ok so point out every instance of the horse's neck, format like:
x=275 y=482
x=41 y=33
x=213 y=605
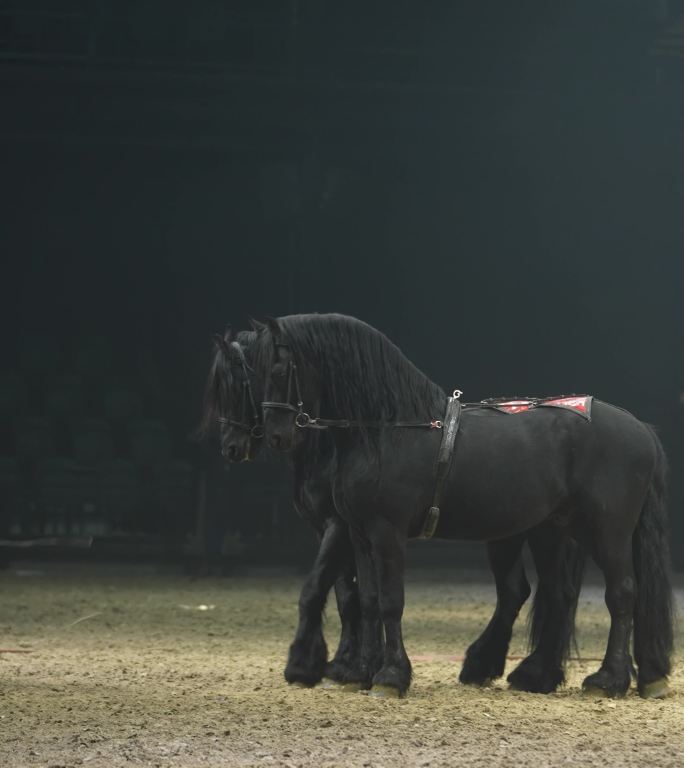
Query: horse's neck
x=313 y=463
x=435 y=403
x=405 y=380
x=317 y=448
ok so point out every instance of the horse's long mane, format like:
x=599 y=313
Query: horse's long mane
x=363 y=375
x=217 y=393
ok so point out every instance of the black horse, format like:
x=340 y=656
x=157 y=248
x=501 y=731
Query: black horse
x=233 y=392
x=233 y=400
x=544 y=473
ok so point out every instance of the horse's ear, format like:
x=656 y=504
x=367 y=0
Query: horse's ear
x=257 y=326
x=228 y=334
x=220 y=343
x=273 y=327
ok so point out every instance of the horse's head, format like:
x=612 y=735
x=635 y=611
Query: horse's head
x=241 y=428
x=291 y=390
x=233 y=396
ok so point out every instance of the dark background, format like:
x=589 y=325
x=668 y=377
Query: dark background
x=498 y=186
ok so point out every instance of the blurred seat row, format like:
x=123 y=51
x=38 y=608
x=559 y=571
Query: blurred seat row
x=77 y=459
x=147 y=442
x=60 y=496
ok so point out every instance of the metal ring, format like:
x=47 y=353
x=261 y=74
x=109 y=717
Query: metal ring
x=257 y=431
x=302 y=420
x=457 y=393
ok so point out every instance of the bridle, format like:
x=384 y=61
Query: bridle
x=256 y=428
x=304 y=421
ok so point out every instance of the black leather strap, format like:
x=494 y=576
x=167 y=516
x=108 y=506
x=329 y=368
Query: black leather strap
x=452 y=421
x=350 y=424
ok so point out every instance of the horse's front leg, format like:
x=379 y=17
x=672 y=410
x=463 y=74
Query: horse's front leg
x=370 y=656
x=344 y=666
x=389 y=554
x=308 y=653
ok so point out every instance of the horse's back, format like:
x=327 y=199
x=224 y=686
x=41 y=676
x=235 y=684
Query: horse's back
x=513 y=471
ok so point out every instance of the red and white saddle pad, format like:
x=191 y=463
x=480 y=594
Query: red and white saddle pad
x=579 y=404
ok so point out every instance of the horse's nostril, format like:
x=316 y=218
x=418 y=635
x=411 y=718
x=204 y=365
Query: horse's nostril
x=275 y=441
x=230 y=452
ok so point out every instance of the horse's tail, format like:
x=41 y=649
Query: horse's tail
x=653 y=611
x=554 y=608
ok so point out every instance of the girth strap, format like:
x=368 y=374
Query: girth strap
x=452 y=420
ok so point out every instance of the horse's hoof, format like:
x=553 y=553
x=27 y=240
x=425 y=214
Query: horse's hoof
x=350 y=687
x=300 y=684
x=531 y=678
x=472 y=677
x=605 y=684
x=384 y=692
x=657 y=689
x=335 y=685
x=597 y=693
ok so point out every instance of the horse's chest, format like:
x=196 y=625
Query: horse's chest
x=310 y=497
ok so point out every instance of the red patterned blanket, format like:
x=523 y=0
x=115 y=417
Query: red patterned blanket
x=579 y=404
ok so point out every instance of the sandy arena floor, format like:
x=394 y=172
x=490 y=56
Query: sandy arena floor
x=126 y=669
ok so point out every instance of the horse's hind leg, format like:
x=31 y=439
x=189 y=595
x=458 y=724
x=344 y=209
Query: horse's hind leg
x=559 y=563
x=614 y=557
x=486 y=657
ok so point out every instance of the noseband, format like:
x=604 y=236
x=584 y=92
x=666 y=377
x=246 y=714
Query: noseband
x=256 y=429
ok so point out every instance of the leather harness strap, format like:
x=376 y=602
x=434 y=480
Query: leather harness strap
x=452 y=421
x=304 y=421
x=349 y=424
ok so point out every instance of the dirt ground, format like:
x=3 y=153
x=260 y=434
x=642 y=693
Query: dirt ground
x=125 y=668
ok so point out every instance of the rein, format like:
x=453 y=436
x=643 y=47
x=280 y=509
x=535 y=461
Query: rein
x=304 y=421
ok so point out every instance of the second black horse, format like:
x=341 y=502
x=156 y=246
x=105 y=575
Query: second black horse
x=233 y=401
